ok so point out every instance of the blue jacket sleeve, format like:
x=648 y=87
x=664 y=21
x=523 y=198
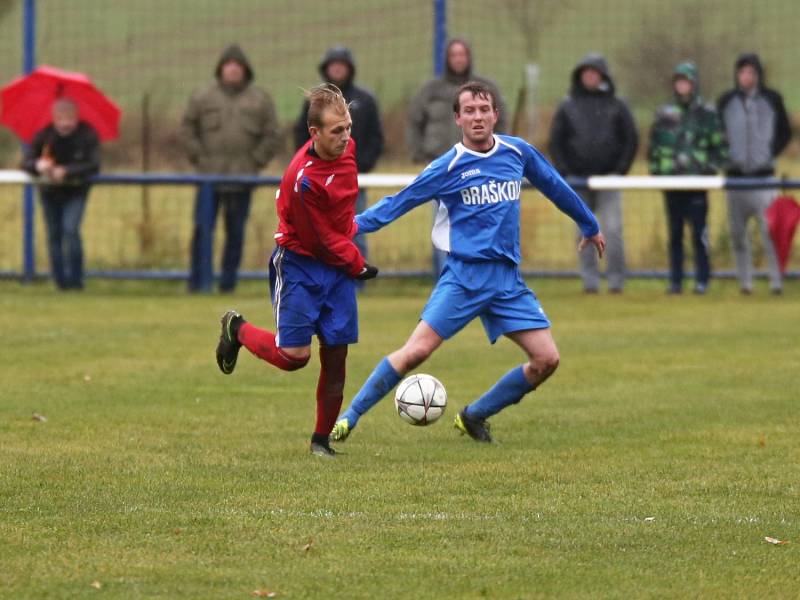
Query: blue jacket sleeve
x=547 y=180
x=390 y=208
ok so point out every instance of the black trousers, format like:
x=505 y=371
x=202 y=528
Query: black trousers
x=691 y=207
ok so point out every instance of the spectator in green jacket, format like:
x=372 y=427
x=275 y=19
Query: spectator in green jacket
x=229 y=128
x=687 y=139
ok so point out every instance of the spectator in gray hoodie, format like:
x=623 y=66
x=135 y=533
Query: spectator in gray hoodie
x=432 y=128
x=593 y=133
x=758 y=130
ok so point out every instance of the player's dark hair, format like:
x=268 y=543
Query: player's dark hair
x=478 y=90
x=321 y=97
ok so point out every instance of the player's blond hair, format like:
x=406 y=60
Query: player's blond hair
x=323 y=97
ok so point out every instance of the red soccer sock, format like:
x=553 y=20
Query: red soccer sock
x=330 y=387
x=262 y=344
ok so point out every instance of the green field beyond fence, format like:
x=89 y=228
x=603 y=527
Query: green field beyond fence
x=120 y=235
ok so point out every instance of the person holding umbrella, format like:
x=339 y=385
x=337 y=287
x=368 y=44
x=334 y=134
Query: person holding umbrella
x=64 y=154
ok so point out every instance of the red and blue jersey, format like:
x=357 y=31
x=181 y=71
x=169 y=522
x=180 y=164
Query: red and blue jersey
x=316 y=206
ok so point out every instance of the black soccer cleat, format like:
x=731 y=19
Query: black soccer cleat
x=228 y=346
x=478 y=430
x=323 y=450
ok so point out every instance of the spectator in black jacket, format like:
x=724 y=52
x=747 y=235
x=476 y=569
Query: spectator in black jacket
x=65 y=154
x=758 y=130
x=339 y=67
x=593 y=133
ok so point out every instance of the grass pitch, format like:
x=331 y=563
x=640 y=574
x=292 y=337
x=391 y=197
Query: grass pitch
x=652 y=465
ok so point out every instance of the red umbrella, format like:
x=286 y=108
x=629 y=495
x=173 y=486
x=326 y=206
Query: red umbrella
x=783 y=215
x=27 y=100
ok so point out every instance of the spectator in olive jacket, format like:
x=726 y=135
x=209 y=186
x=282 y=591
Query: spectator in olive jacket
x=229 y=128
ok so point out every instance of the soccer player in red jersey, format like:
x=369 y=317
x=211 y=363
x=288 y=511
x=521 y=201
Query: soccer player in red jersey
x=314 y=266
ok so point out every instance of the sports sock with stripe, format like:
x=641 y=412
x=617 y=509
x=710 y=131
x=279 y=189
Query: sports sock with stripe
x=262 y=344
x=377 y=385
x=509 y=389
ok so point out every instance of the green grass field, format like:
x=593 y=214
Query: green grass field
x=652 y=465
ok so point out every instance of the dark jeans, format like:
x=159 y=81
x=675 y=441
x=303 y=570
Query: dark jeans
x=691 y=206
x=235 y=209
x=63 y=213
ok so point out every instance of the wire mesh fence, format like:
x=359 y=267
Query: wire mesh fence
x=150 y=55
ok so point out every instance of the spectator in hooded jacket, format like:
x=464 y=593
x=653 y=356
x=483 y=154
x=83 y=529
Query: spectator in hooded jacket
x=758 y=130
x=687 y=139
x=593 y=133
x=339 y=68
x=229 y=128
x=432 y=128
x=65 y=154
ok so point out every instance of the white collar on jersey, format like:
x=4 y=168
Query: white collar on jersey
x=461 y=149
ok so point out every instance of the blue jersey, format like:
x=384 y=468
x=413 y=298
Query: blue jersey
x=478 y=199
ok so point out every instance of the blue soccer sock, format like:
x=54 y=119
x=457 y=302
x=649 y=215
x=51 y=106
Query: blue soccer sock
x=377 y=385
x=508 y=390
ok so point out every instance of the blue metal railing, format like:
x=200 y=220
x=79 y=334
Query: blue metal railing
x=28 y=205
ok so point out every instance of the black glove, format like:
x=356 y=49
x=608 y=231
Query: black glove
x=367 y=272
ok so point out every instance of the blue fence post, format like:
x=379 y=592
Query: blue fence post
x=439 y=45
x=28 y=64
x=205 y=237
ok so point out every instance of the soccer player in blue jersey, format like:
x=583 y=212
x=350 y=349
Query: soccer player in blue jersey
x=477 y=187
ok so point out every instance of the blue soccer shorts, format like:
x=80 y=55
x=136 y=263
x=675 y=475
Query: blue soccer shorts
x=311 y=298
x=491 y=290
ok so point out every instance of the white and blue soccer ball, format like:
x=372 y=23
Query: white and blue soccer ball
x=420 y=399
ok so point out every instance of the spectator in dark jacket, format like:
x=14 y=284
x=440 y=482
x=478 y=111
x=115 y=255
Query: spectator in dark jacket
x=593 y=133
x=65 y=154
x=758 y=130
x=229 y=128
x=339 y=68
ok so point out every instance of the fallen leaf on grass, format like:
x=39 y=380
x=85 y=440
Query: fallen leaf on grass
x=649 y=519
x=39 y=418
x=762 y=441
x=775 y=541
x=309 y=545
x=87 y=378
x=264 y=594
x=177 y=531
x=96 y=585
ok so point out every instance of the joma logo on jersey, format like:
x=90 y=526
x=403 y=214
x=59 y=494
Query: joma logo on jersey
x=492 y=192
x=470 y=173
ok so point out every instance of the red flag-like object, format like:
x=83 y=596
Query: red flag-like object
x=27 y=101
x=783 y=215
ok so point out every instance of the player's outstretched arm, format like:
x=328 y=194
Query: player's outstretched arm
x=391 y=208
x=548 y=181
x=598 y=241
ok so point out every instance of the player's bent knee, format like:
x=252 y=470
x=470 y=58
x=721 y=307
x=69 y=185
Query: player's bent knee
x=546 y=364
x=292 y=360
x=296 y=363
x=416 y=356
